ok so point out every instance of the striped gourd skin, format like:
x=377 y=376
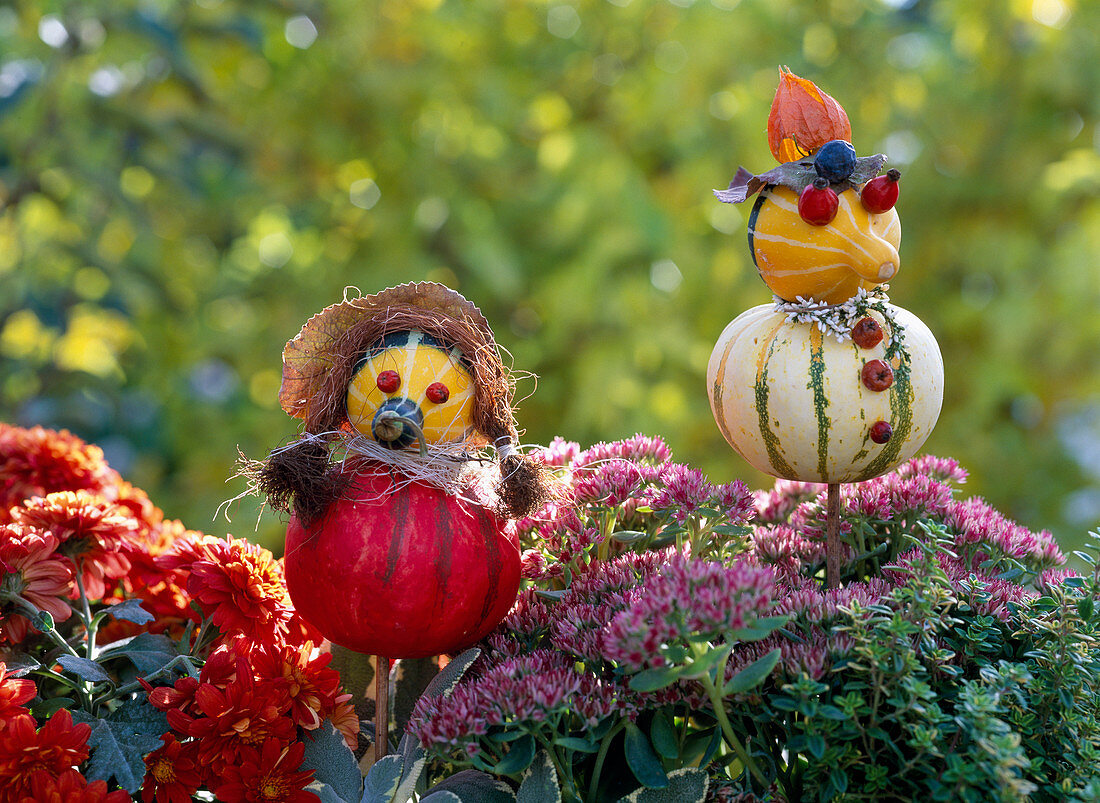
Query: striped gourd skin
x=826 y=263
x=791 y=401
x=418 y=365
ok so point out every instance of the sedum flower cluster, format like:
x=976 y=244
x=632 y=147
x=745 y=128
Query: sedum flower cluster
x=674 y=630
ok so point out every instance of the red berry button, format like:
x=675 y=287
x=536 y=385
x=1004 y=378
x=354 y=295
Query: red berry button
x=877 y=375
x=437 y=393
x=880 y=194
x=388 y=381
x=881 y=432
x=867 y=333
x=818 y=204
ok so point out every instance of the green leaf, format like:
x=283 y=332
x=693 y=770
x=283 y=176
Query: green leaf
x=816 y=745
x=832 y=712
x=449 y=676
x=715 y=656
x=148 y=652
x=654 y=679
x=519 y=757
x=663 y=736
x=42 y=621
x=83 y=668
x=540 y=782
x=641 y=759
x=120 y=742
x=442 y=796
x=325 y=792
x=628 y=536
x=553 y=594
x=45 y=709
x=576 y=744
x=752 y=675
x=1085 y=607
x=474 y=786
x=130 y=611
x=685 y=785
x=332 y=761
x=382 y=780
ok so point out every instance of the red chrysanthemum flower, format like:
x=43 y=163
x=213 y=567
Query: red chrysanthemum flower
x=91 y=531
x=36 y=462
x=13 y=693
x=313 y=688
x=31 y=572
x=267 y=775
x=70 y=787
x=239 y=586
x=227 y=719
x=172 y=772
x=57 y=746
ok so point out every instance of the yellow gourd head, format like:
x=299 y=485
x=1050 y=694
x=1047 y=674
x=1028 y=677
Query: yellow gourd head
x=830 y=263
x=411 y=388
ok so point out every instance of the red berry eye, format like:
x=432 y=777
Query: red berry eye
x=437 y=393
x=388 y=381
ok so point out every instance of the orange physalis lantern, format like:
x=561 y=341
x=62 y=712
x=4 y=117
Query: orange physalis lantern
x=803 y=118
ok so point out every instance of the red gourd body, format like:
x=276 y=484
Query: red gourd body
x=402 y=569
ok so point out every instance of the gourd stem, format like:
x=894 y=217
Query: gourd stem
x=381 y=707
x=832 y=536
x=392 y=418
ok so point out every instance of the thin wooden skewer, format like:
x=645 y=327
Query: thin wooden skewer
x=381 y=707
x=832 y=536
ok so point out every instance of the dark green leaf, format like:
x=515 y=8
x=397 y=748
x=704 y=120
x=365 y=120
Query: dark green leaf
x=83 y=668
x=120 y=742
x=816 y=745
x=641 y=759
x=663 y=735
x=685 y=785
x=519 y=757
x=332 y=761
x=148 y=652
x=131 y=611
x=831 y=712
x=654 y=679
x=540 y=782
x=382 y=779
x=325 y=792
x=474 y=786
x=752 y=675
x=449 y=676
x=576 y=744
x=441 y=796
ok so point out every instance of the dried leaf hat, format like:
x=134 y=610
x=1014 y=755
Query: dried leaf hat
x=410 y=376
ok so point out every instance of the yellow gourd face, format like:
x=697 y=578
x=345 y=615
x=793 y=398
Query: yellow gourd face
x=414 y=377
x=825 y=263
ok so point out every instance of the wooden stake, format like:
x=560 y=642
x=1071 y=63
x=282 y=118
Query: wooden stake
x=832 y=536
x=381 y=707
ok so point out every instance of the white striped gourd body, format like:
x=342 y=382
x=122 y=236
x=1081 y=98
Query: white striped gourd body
x=792 y=401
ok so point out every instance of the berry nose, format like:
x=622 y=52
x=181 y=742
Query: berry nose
x=397 y=423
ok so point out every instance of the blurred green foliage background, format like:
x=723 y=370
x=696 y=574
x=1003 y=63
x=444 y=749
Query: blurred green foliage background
x=182 y=184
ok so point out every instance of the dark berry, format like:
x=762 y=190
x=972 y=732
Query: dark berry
x=388 y=381
x=818 y=204
x=437 y=393
x=877 y=375
x=867 y=333
x=881 y=432
x=835 y=161
x=880 y=194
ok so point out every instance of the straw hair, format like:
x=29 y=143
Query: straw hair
x=319 y=363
